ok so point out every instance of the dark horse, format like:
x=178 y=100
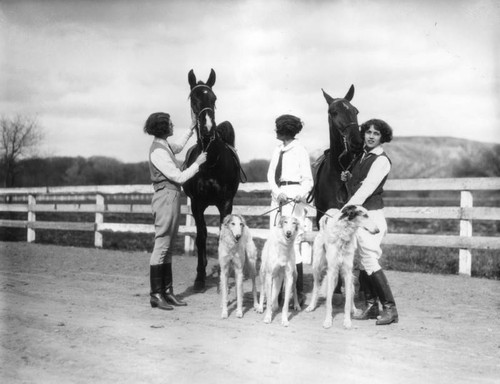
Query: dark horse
x=345 y=144
x=218 y=179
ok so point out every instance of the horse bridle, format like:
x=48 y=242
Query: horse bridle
x=344 y=153
x=198 y=128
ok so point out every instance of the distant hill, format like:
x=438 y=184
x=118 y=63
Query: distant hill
x=440 y=157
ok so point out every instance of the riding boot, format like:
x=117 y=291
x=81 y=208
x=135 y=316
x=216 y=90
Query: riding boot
x=300 y=284
x=390 y=313
x=157 y=287
x=168 y=290
x=371 y=310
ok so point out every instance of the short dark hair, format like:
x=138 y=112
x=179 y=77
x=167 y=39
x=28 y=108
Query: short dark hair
x=288 y=125
x=157 y=124
x=381 y=126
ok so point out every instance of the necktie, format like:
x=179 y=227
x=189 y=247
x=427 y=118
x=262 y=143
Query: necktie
x=279 y=167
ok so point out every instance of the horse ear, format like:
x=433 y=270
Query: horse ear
x=211 y=78
x=350 y=93
x=328 y=98
x=191 y=78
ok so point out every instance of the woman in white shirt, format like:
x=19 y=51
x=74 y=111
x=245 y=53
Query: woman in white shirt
x=290 y=179
x=167 y=178
x=366 y=183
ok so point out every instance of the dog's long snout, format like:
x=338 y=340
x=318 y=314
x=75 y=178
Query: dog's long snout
x=237 y=237
x=288 y=233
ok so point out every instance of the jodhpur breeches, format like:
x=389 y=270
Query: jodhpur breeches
x=166 y=213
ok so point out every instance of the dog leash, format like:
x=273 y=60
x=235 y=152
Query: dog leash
x=276 y=208
x=320 y=211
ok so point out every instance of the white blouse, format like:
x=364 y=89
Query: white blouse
x=164 y=161
x=295 y=167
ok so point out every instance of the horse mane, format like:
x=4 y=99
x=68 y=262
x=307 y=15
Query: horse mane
x=226 y=132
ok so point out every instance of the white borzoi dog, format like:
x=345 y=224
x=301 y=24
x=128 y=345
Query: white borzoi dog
x=237 y=250
x=333 y=250
x=278 y=265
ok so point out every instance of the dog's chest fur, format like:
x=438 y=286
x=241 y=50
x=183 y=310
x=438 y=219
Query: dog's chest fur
x=339 y=237
x=232 y=249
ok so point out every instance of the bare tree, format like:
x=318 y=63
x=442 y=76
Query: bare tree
x=20 y=138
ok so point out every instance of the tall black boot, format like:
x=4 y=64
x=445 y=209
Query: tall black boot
x=371 y=310
x=157 y=287
x=390 y=313
x=168 y=292
x=300 y=284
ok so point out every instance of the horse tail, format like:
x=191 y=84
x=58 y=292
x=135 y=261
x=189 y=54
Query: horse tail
x=226 y=132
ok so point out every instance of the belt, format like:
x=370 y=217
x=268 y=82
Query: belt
x=289 y=183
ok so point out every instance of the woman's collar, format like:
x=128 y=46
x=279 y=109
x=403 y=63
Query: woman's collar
x=290 y=145
x=376 y=151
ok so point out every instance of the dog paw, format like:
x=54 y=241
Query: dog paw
x=327 y=323
x=285 y=322
x=239 y=313
x=347 y=324
x=259 y=309
x=267 y=319
x=310 y=308
x=224 y=315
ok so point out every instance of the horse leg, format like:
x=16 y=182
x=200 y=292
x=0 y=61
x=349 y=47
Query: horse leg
x=225 y=208
x=201 y=246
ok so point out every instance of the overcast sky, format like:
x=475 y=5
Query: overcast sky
x=92 y=71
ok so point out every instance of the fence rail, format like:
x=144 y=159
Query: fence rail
x=61 y=200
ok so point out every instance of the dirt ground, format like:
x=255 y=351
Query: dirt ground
x=77 y=315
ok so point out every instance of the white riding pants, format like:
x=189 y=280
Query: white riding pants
x=368 y=249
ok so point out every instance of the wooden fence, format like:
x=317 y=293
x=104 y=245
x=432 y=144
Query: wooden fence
x=62 y=199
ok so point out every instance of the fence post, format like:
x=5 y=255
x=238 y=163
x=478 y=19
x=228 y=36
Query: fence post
x=188 y=240
x=99 y=218
x=30 y=235
x=465 y=256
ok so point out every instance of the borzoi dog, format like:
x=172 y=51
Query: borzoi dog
x=278 y=265
x=333 y=250
x=236 y=249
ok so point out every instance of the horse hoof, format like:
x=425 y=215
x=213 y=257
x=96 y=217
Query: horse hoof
x=199 y=286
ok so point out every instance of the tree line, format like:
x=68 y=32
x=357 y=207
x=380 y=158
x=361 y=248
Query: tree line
x=21 y=167
x=98 y=170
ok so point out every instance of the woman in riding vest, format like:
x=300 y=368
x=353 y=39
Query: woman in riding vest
x=167 y=179
x=290 y=179
x=366 y=183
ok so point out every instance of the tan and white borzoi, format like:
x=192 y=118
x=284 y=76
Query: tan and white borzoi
x=278 y=265
x=236 y=250
x=333 y=250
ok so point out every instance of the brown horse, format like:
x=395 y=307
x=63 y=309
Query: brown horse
x=218 y=179
x=345 y=144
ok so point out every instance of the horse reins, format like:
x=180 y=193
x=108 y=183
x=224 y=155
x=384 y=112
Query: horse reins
x=349 y=166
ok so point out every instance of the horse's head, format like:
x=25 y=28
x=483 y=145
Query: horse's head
x=203 y=103
x=343 y=120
